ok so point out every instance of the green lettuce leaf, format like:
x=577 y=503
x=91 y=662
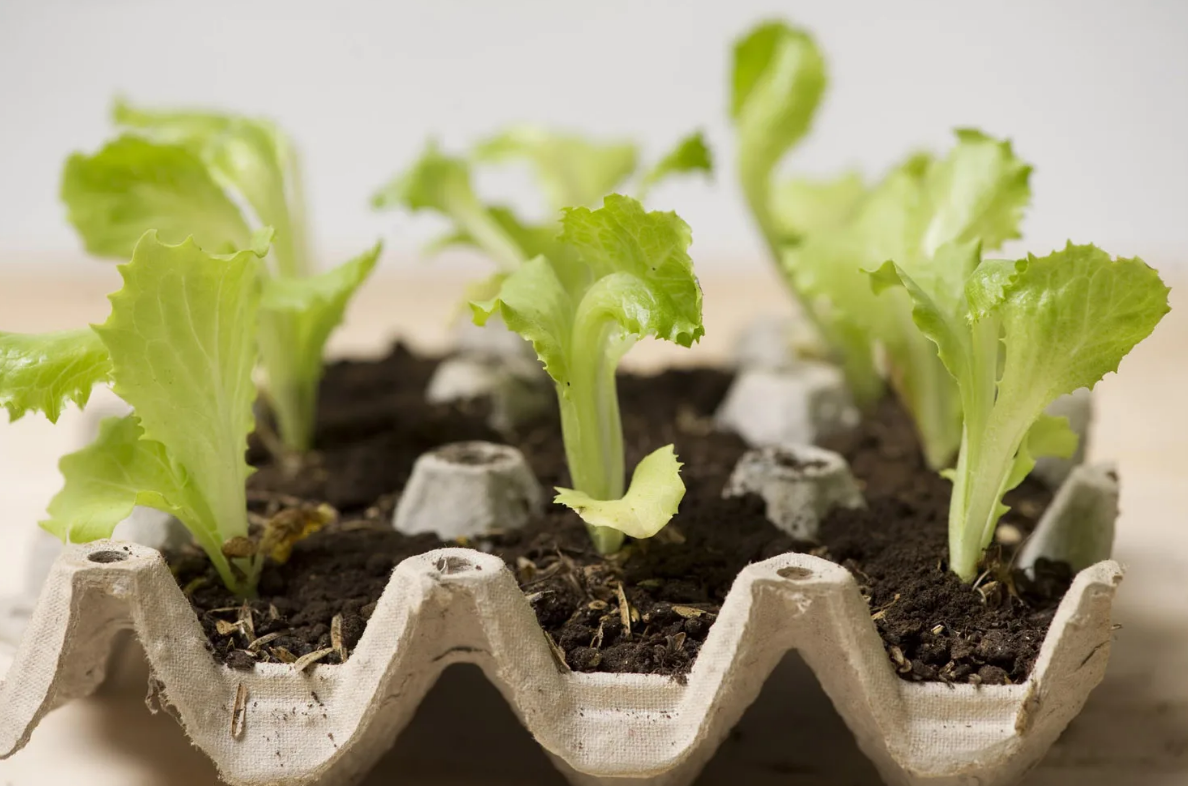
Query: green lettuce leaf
x=182 y=341
x=133 y=185
x=530 y=240
x=107 y=479
x=441 y=183
x=297 y=317
x=572 y=170
x=691 y=154
x=651 y=501
x=183 y=174
x=801 y=207
x=249 y=156
x=40 y=373
x=637 y=280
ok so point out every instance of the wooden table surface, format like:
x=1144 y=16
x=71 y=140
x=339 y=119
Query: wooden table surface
x=1133 y=731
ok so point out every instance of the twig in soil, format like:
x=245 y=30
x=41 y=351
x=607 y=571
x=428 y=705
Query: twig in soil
x=309 y=659
x=336 y=642
x=689 y=612
x=882 y=611
x=239 y=711
x=624 y=611
x=254 y=646
x=543 y=575
x=282 y=655
x=247 y=625
x=525 y=570
x=596 y=641
x=991 y=593
x=558 y=653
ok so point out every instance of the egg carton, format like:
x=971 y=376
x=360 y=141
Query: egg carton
x=276 y=724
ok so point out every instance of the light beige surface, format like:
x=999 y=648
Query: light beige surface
x=1133 y=731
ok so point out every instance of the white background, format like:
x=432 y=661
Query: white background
x=1095 y=94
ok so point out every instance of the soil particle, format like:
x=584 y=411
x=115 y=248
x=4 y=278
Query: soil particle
x=649 y=608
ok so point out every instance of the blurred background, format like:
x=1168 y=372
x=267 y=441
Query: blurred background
x=1094 y=93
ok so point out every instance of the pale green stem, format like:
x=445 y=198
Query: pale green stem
x=861 y=377
x=242 y=585
x=927 y=389
x=298 y=227
x=986 y=458
x=293 y=395
x=593 y=430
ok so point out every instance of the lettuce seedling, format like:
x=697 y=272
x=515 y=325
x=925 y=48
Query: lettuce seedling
x=1015 y=335
x=626 y=275
x=229 y=182
x=571 y=171
x=778 y=79
x=976 y=192
x=179 y=347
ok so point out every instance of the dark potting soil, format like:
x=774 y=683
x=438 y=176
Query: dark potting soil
x=647 y=609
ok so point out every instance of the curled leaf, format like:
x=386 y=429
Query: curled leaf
x=651 y=500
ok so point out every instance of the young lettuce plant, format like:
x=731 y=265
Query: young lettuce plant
x=627 y=275
x=571 y=171
x=778 y=79
x=976 y=192
x=179 y=347
x=228 y=182
x=1015 y=335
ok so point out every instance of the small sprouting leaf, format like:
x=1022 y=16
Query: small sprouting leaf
x=652 y=499
x=691 y=154
x=441 y=183
x=296 y=319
